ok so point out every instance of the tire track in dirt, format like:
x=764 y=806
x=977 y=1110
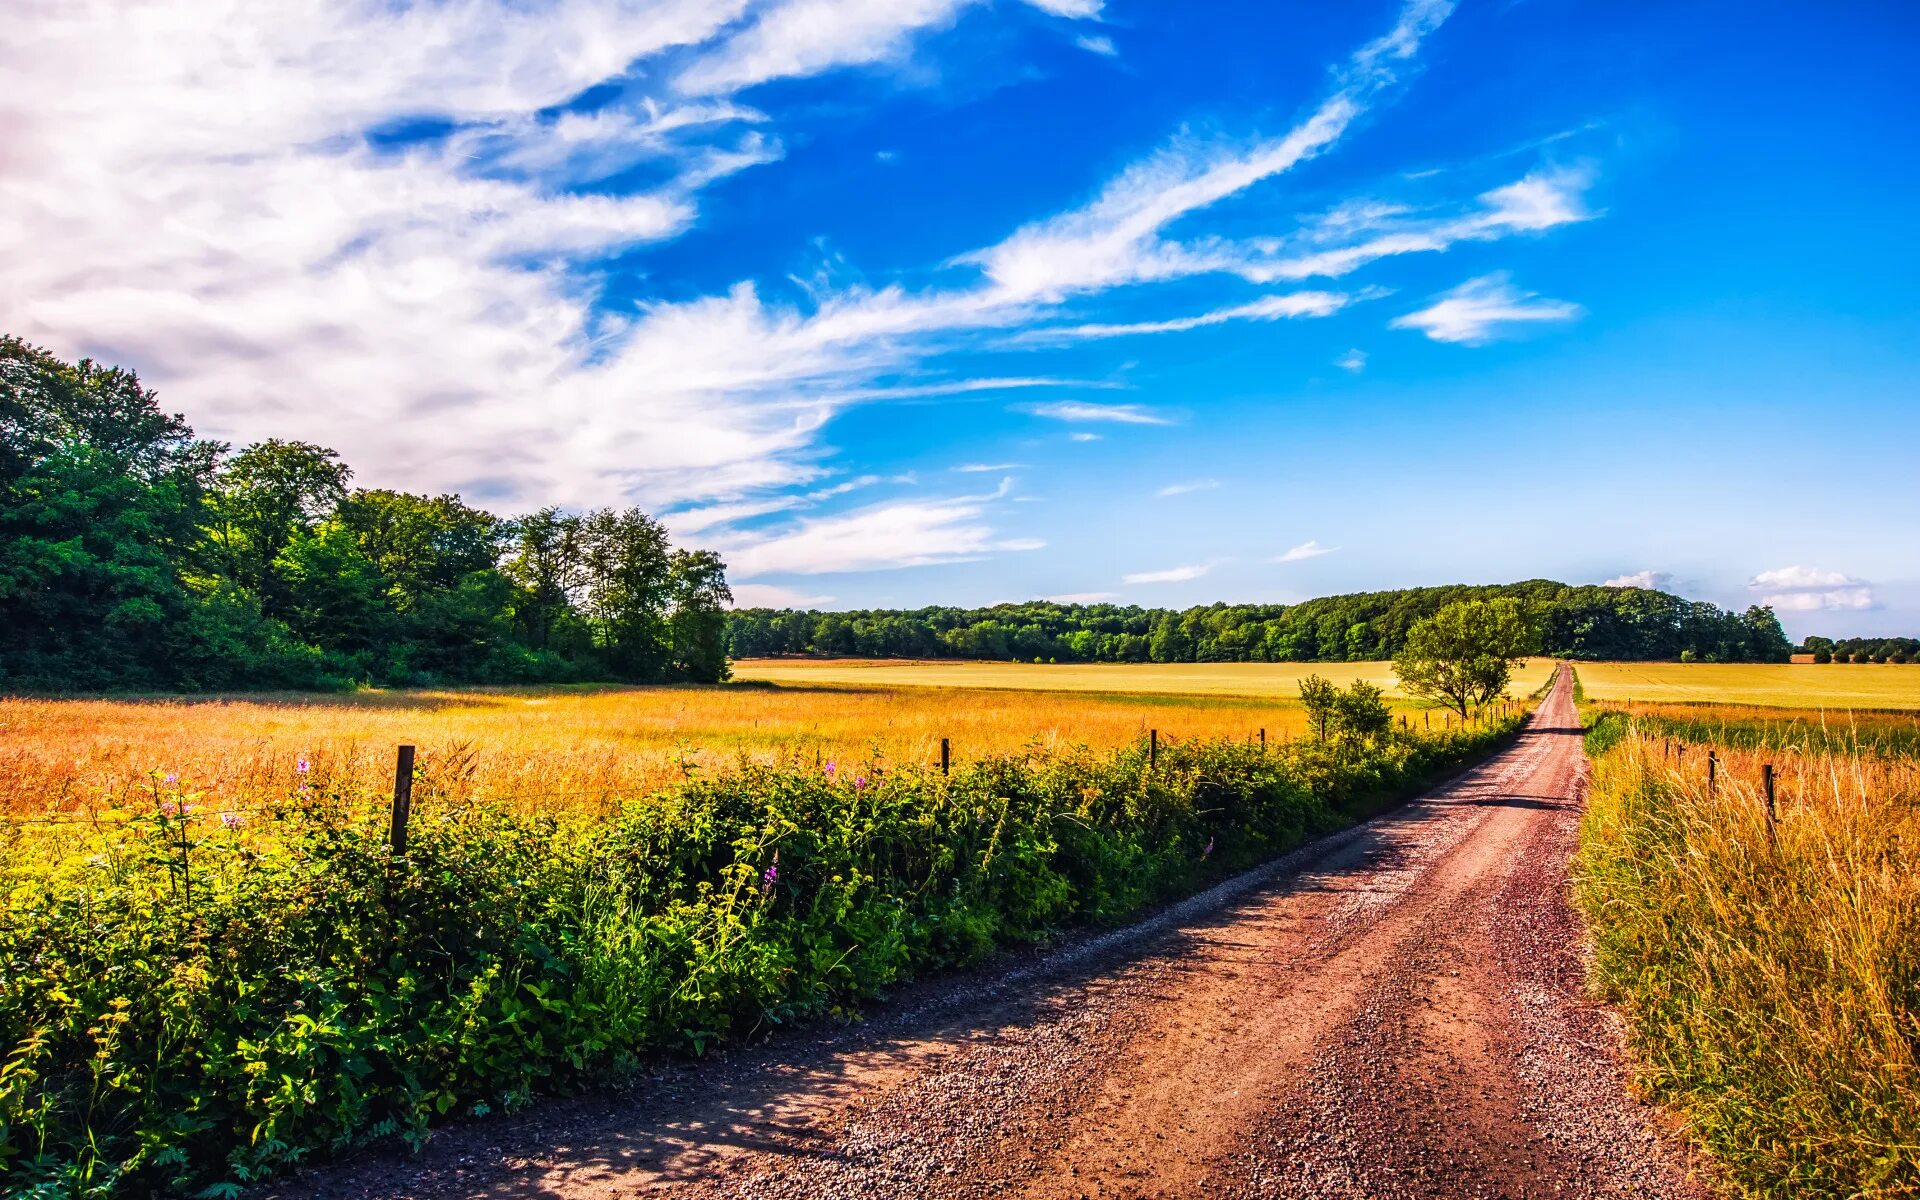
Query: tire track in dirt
x=1393 y=1011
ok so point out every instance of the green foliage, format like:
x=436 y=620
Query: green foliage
x=188 y=1003
x=1354 y=717
x=1464 y=654
x=1573 y=622
x=133 y=556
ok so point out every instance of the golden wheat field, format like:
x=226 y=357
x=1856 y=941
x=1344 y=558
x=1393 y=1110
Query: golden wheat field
x=1833 y=686
x=1274 y=680
x=543 y=747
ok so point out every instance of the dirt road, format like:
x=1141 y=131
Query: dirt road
x=1394 y=1011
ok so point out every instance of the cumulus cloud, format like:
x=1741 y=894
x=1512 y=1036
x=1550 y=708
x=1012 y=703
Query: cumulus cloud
x=1081 y=411
x=1480 y=309
x=1659 y=581
x=1192 y=485
x=1305 y=550
x=1094 y=44
x=1812 y=589
x=1353 y=360
x=1170 y=575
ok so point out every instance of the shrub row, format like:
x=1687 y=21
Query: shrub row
x=191 y=1001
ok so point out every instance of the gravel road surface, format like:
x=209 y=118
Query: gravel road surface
x=1395 y=1011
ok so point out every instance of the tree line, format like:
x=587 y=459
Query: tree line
x=134 y=555
x=1863 y=650
x=1585 y=622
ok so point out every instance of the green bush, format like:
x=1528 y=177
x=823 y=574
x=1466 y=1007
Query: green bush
x=191 y=1002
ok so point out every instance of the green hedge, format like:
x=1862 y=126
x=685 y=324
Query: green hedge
x=189 y=1006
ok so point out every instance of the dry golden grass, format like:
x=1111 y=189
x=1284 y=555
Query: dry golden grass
x=1278 y=680
x=1768 y=976
x=1832 y=686
x=584 y=745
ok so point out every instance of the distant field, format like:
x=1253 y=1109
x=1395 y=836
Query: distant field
x=1276 y=680
x=541 y=747
x=1833 y=686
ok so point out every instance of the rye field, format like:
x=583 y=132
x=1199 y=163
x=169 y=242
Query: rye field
x=548 y=748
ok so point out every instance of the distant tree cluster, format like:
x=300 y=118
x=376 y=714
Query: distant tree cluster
x=1569 y=622
x=1863 y=650
x=133 y=555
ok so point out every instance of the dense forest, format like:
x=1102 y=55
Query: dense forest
x=135 y=555
x=1573 y=622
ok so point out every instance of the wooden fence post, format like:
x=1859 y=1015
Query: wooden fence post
x=1713 y=767
x=1153 y=748
x=946 y=755
x=1263 y=737
x=1773 y=818
x=402 y=800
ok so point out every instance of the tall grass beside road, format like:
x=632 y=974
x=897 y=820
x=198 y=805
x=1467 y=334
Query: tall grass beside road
x=1769 y=971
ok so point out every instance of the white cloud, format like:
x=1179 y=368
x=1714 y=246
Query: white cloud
x=1476 y=311
x=1812 y=589
x=1170 y=575
x=1800 y=578
x=1352 y=360
x=1195 y=485
x=795 y=38
x=1081 y=597
x=979 y=468
x=1084 y=437
x=1658 y=581
x=1092 y=44
x=1852 y=599
x=768 y=595
x=908 y=533
x=1305 y=550
x=1084 y=410
x=1117 y=238
x=1267 y=308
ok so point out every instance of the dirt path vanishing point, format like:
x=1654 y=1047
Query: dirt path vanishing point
x=1395 y=1011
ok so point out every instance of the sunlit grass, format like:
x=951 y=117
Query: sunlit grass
x=1280 y=680
x=1833 y=686
x=1768 y=978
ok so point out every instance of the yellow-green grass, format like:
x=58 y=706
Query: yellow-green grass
x=1830 y=686
x=1276 y=680
x=1766 y=975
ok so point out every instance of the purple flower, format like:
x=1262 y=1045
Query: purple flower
x=232 y=820
x=169 y=808
x=172 y=777
x=1208 y=850
x=302 y=766
x=859 y=782
x=770 y=876
x=829 y=768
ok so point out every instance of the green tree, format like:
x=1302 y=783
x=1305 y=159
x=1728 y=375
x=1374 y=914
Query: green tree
x=1319 y=697
x=1464 y=654
x=263 y=498
x=698 y=581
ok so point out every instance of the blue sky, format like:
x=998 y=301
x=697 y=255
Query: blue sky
x=900 y=302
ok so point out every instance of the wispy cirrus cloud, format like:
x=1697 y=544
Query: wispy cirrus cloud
x=1180 y=574
x=1191 y=485
x=1303 y=551
x=1267 y=308
x=1481 y=309
x=1082 y=411
x=1354 y=361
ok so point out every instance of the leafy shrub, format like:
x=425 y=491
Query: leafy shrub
x=191 y=1001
